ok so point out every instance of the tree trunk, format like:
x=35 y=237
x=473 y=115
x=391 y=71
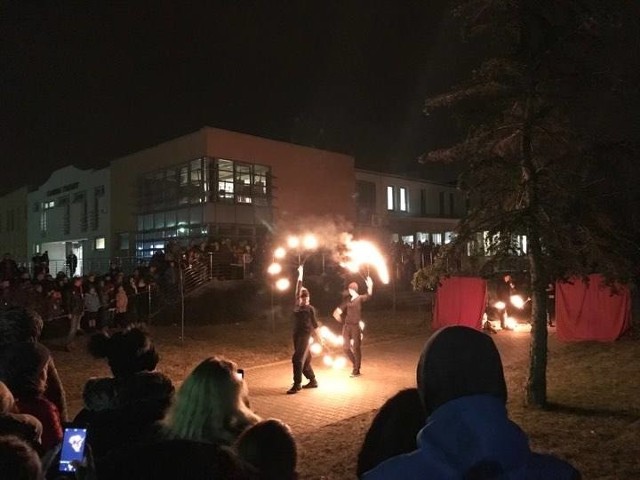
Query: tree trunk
x=536 y=389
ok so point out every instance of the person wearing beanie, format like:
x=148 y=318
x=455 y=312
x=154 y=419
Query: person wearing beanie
x=351 y=310
x=468 y=434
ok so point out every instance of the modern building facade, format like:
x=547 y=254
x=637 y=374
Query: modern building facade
x=70 y=215
x=407 y=210
x=215 y=183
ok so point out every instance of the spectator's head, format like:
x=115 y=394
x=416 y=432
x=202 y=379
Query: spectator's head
x=23 y=367
x=212 y=404
x=19 y=324
x=129 y=351
x=269 y=446
x=7 y=402
x=456 y=362
x=18 y=460
x=173 y=459
x=393 y=430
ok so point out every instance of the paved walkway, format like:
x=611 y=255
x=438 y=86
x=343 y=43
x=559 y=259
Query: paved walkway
x=386 y=368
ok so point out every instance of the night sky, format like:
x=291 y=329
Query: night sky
x=86 y=82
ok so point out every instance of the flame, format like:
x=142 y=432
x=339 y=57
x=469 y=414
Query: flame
x=362 y=252
x=499 y=305
x=274 y=269
x=310 y=242
x=339 y=362
x=293 y=241
x=316 y=348
x=510 y=323
x=279 y=253
x=282 y=284
x=517 y=301
x=361 y=323
x=327 y=360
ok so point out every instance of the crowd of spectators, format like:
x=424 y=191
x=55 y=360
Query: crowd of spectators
x=453 y=425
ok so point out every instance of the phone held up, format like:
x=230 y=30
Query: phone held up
x=240 y=374
x=74 y=441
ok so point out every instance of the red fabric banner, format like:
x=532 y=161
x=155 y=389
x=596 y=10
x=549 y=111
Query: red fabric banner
x=460 y=301
x=590 y=311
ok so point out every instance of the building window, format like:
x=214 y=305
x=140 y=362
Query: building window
x=123 y=241
x=100 y=243
x=390 y=198
x=451 y=205
x=99 y=191
x=404 y=200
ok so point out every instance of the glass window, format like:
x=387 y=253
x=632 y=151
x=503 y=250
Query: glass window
x=183 y=217
x=404 y=201
x=148 y=222
x=158 y=220
x=195 y=215
x=170 y=218
x=100 y=243
x=436 y=238
x=123 y=241
x=390 y=199
x=225 y=179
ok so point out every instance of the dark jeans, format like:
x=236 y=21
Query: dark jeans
x=353 y=332
x=301 y=358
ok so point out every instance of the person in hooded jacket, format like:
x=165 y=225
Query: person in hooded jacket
x=468 y=434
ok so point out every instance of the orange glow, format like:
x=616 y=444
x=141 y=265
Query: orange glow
x=362 y=252
x=293 y=241
x=279 y=253
x=339 y=362
x=316 y=348
x=282 y=284
x=499 y=305
x=274 y=268
x=310 y=242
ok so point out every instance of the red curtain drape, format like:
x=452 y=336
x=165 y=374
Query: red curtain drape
x=591 y=311
x=460 y=301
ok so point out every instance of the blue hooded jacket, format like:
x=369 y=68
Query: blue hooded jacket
x=472 y=437
x=468 y=434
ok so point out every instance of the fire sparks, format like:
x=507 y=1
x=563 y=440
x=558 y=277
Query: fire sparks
x=310 y=242
x=293 y=241
x=279 y=253
x=316 y=348
x=362 y=252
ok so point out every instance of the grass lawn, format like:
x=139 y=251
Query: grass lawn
x=594 y=390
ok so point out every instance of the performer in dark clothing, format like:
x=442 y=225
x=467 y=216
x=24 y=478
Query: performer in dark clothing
x=352 y=310
x=305 y=325
x=505 y=289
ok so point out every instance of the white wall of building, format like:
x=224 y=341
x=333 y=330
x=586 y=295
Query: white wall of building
x=70 y=213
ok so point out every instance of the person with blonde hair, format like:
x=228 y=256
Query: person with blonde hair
x=212 y=405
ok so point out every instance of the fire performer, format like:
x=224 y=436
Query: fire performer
x=352 y=310
x=304 y=327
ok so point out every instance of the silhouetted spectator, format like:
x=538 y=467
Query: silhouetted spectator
x=269 y=446
x=123 y=410
x=24 y=370
x=468 y=434
x=393 y=430
x=22 y=425
x=21 y=325
x=174 y=459
x=18 y=460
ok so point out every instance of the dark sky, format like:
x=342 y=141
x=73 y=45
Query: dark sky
x=85 y=82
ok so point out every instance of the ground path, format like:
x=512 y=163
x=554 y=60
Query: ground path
x=387 y=367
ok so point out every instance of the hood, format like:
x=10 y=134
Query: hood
x=456 y=362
